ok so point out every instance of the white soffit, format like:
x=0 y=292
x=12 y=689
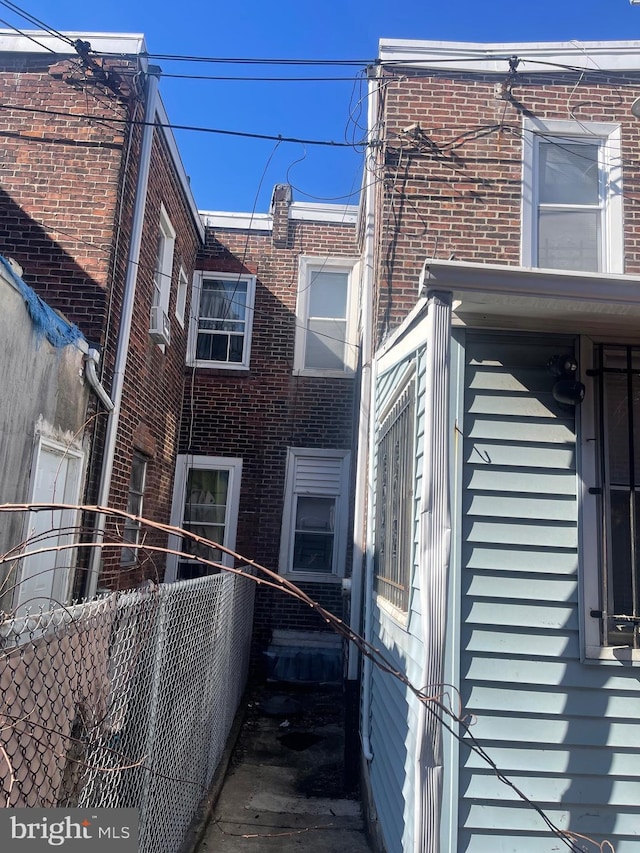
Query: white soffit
x=494 y=291
x=540 y=57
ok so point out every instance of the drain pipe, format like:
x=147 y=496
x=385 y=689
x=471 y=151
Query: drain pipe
x=91 y=360
x=363 y=493
x=128 y=302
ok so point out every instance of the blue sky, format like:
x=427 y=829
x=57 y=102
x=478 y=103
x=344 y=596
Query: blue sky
x=226 y=172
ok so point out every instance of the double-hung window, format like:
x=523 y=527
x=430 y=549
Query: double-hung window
x=132 y=528
x=572 y=196
x=223 y=319
x=395 y=458
x=315 y=517
x=205 y=503
x=325 y=314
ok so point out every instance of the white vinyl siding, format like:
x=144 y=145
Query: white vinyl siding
x=315 y=516
x=572 y=199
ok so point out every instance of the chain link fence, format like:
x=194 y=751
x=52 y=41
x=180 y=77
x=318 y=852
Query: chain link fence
x=125 y=701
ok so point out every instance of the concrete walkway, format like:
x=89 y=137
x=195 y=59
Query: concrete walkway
x=284 y=789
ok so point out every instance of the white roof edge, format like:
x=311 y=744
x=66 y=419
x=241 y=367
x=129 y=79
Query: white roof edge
x=343 y=214
x=174 y=151
x=346 y=214
x=492 y=56
x=468 y=276
x=41 y=41
x=232 y=219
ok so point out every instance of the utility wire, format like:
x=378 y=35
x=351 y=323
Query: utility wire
x=194 y=128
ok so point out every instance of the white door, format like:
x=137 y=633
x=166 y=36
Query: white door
x=44 y=577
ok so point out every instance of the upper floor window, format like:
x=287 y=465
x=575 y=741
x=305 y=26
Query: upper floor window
x=163 y=269
x=325 y=334
x=222 y=320
x=572 y=196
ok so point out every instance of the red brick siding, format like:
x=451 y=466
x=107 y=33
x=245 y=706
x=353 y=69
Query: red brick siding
x=258 y=414
x=457 y=191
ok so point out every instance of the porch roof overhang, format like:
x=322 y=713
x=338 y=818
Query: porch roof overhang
x=511 y=296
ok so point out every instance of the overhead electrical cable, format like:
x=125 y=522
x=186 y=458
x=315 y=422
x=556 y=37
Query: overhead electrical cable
x=194 y=128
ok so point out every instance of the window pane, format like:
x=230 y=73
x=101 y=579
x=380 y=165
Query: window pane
x=617 y=416
x=313 y=552
x=569 y=239
x=223 y=300
x=326 y=344
x=328 y=294
x=568 y=172
x=621 y=552
x=207 y=486
x=315 y=514
x=313 y=544
x=205 y=511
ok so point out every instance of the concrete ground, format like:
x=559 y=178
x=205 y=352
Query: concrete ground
x=285 y=787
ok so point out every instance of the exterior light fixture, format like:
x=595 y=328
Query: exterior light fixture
x=566 y=389
x=635 y=106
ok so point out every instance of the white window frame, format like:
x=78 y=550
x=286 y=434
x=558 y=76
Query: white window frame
x=609 y=138
x=184 y=463
x=181 y=296
x=289 y=513
x=590 y=522
x=164 y=263
x=306 y=265
x=198 y=277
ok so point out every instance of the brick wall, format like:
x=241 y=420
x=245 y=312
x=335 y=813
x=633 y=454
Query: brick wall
x=67 y=200
x=453 y=188
x=259 y=413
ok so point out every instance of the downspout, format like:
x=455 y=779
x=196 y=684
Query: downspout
x=433 y=565
x=128 y=302
x=91 y=360
x=363 y=493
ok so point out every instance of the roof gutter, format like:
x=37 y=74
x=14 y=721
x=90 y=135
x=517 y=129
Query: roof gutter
x=128 y=303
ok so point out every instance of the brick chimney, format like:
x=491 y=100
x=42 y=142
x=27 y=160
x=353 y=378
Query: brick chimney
x=280 y=204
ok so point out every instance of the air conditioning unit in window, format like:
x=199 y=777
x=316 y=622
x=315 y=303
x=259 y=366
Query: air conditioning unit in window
x=160 y=326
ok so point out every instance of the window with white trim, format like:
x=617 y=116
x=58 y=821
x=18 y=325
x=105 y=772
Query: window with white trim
x=395 y=459
x=132 y=529
x=572 y=196
x=612 y=465
x=315 y=515
x=206 y=498
x=163 y=269
x=326 y=322
x=222 y=320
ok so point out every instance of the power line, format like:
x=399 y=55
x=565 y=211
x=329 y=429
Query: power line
x=33 y=20
x=195 y=128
